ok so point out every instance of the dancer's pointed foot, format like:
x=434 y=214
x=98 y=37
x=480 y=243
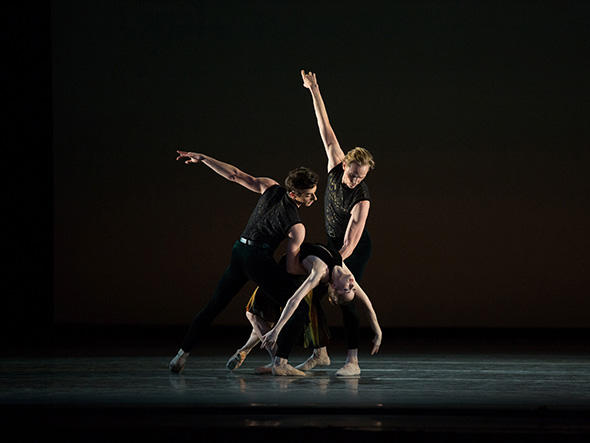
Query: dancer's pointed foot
x=177 y=363
x=349 y=368
x=236 y=360
x=318 y=358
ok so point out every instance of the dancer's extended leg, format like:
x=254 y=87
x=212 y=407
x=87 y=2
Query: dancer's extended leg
x=229 y=285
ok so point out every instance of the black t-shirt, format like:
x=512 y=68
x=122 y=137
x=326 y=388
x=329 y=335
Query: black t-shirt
x=338 y=202
x=272 y=217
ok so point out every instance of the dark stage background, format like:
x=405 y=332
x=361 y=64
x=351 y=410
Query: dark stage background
x=476 y=113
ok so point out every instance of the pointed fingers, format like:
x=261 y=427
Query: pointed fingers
x=375 y=349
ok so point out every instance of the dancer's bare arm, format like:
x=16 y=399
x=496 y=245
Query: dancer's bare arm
x=354 y=230
x=295 y=236
x=312 y=280
x=229 y=172
x=333 y=149
x=364 y=298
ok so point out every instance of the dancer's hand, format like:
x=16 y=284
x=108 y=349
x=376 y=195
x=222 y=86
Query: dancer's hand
x=376 y=343
x=192 y=157
x=309 y=79
x=269 y=340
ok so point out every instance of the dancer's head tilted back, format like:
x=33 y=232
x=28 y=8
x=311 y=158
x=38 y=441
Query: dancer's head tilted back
x=301 y=184
x=341 y=287
x=356 y=164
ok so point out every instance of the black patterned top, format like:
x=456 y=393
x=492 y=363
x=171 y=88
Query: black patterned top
x=272 y=217
x=338 y=202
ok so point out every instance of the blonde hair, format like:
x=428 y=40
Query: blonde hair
x=334 y=298
x=360 y=156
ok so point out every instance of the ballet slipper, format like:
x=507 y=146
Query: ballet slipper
x=316 y=359
x=177 y=363
x=349 y=369
x=236 y=360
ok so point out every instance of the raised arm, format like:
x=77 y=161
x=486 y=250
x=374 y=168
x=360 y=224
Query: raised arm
x=229 y=172
x=362 y=296
x=354 y=230
x=312 y=280
x=333 y=150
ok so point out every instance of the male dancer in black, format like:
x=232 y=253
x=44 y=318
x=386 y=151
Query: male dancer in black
x=346 y=207
x=274 y=219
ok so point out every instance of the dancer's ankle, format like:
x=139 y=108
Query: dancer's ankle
x=318 y=352
x=279 y=361
x=181 y=353
x=352 y=356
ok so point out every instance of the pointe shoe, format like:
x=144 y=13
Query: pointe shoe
x=177 y=363
x=236 y=360
x=264 y=370
x=313 y=361
x=286 y=369
x=349 y=369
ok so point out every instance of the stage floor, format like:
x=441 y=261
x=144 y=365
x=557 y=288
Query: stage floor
x=413 y=393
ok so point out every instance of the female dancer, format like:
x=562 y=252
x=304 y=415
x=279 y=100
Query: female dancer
x=324 y=267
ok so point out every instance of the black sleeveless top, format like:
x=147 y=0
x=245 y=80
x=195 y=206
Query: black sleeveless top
x=338 y=202
x=329 y=256
x=272 y=217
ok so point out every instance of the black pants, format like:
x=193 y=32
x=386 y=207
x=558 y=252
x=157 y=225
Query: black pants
x=357 y=263
x=247 y=263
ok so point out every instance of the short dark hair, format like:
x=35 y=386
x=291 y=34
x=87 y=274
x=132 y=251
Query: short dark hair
x=301 y=178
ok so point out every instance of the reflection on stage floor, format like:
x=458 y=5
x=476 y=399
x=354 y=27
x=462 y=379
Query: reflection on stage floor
x=411 y=393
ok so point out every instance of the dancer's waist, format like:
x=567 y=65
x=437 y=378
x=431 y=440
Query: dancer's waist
x=256 y=244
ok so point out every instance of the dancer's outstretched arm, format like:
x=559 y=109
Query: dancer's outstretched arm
x=229 y=172
x=312 y=281
x=333 y=150
x=363 y=297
